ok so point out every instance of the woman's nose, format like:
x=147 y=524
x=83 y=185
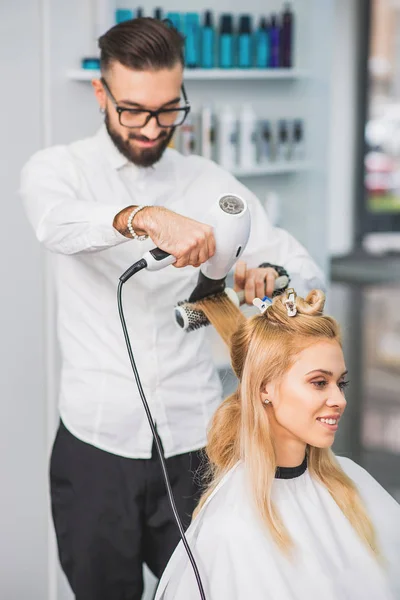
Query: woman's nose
x=336 y=399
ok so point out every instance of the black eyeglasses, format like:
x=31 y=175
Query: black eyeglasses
x=139 y=117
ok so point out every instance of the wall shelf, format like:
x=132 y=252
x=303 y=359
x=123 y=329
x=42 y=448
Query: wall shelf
x=272 y=169
x=211 y=74
x=86 y=75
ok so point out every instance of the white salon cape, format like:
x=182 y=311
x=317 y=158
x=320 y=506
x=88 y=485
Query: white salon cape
x=238 y=559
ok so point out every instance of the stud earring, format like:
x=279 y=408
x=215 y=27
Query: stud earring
x=266 y=401
x=102 y=110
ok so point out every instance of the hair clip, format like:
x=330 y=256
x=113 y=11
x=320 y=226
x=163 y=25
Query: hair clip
x=263 y=304
x=290 y=303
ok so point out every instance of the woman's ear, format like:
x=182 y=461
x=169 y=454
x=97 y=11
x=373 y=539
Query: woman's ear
x=267 y=393
x=265 y=396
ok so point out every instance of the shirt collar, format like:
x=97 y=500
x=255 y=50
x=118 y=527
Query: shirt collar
x=291 y=472
x=118 y=160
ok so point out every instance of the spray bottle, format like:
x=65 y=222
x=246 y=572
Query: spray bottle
x=208 y=42
x=192 y=40
x=298 y=145
x=226 y=54
x=275 y=42
x=262 y=42
x=287 y=37
x=245 y=53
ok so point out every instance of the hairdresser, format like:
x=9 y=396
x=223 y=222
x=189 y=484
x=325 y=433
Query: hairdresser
x=85 y=202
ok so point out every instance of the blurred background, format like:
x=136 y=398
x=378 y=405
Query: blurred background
x=325 y=164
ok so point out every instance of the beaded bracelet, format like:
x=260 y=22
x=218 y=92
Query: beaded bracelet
x=133 y=233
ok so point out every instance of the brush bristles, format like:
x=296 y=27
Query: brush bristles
x=195 y=316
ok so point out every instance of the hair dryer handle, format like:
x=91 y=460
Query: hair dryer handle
x=157 y=259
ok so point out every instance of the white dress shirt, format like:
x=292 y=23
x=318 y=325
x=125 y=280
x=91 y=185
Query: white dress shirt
x=71 y=195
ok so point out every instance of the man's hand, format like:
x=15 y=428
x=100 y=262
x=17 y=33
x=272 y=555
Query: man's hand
x=256 y=283
x=191 y=242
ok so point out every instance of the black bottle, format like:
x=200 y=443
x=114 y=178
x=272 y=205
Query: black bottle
x=286 y=38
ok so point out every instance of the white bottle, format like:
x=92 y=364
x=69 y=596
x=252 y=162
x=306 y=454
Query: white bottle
x=298 y=145
x=247 y=137
x=283 y=145
x=265 y=141
x=187 y=136
x=227 y=138
x=207 y=133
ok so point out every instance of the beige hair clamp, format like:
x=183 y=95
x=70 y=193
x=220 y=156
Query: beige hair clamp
x=290 y=302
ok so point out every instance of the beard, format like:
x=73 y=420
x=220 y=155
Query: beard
x=146 y=157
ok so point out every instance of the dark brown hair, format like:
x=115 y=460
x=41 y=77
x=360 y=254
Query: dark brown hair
x=141 y=44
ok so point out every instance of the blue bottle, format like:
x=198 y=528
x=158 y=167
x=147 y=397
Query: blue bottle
x=192 y=40
x=226 y=42
x=90 y=63
x=245 y=54
x=175 y=19
x=274 y=33
x=122 y=14
x=208 y=42
x=262 y=44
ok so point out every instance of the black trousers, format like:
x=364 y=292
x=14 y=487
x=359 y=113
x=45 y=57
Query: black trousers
x=111 y=514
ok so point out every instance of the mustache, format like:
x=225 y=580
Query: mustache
x=143 y=138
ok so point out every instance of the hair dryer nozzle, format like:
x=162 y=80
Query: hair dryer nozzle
x=206 y=287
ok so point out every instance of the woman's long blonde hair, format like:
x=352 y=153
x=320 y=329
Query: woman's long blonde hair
x=263 y=348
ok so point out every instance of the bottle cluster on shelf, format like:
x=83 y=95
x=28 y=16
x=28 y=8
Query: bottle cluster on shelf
x=227 y=41
x=241 y=139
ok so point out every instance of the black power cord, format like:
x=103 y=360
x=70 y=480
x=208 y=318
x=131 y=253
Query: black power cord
x=138 y=266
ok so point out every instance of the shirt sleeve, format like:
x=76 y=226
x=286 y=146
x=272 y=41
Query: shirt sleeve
x=64 y=221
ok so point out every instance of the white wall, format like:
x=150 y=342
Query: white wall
x=23 y=448
x=342 y=143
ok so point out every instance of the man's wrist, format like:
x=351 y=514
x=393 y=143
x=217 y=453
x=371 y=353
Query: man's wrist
x=141 y=223
x=120 y=222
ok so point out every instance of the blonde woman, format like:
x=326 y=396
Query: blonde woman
x=283 y=518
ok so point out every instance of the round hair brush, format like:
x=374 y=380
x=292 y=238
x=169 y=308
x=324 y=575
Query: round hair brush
x=189 y=318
